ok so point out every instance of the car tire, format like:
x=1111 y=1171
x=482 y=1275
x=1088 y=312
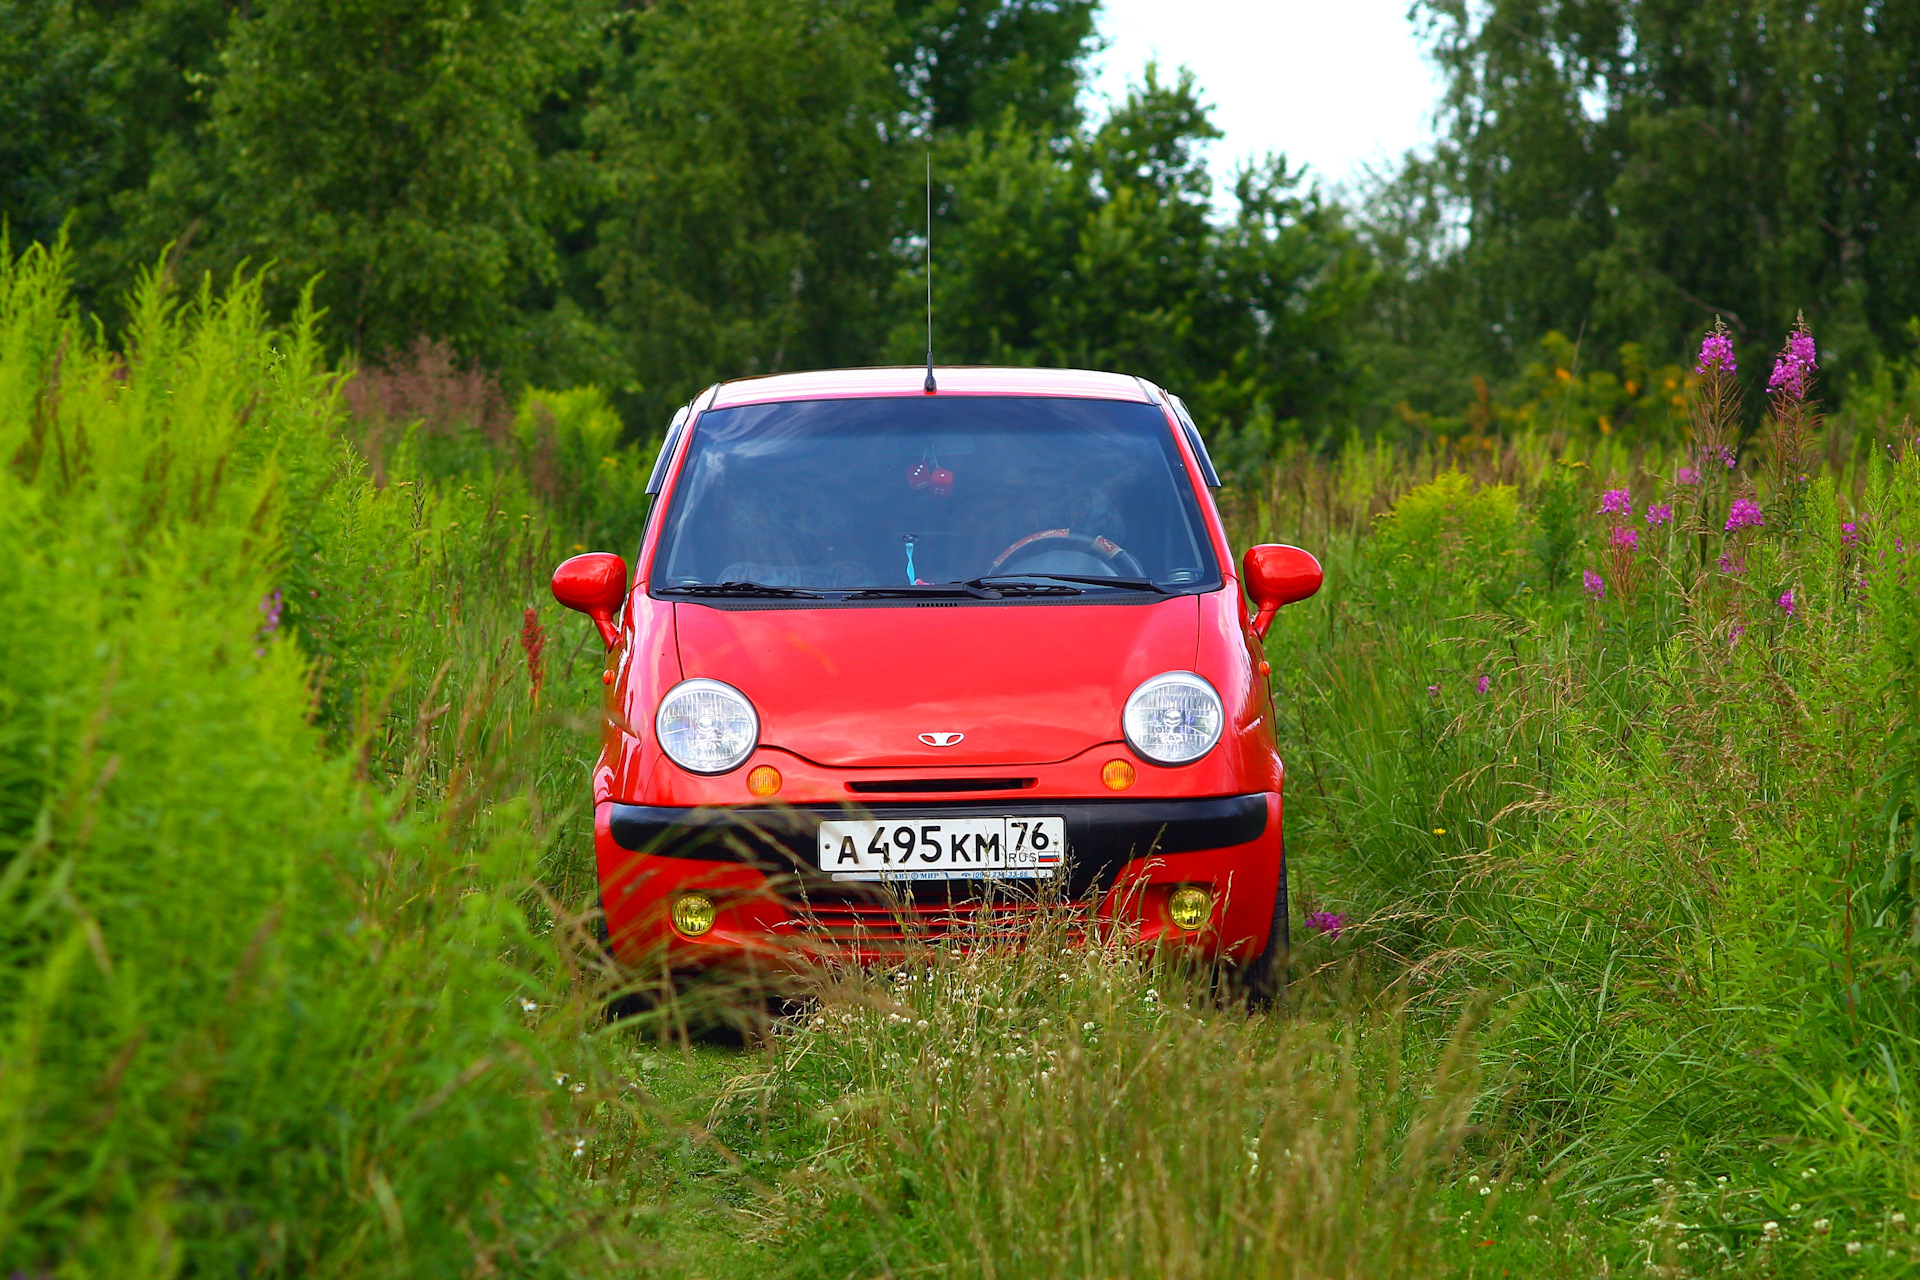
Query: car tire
x=628 y=1004
x=1265 y=979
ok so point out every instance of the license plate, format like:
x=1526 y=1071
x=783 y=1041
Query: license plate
x=943 y=849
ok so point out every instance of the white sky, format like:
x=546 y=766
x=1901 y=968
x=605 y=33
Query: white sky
x=1336 y=84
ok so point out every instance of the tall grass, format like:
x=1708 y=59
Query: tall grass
x=299 y=898
x=267 y=853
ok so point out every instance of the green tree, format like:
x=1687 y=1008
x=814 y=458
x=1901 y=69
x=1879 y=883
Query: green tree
x=1631 y=168
x=93 y=96
x=754 y=157
x=967 y=65
x=1102 y=253
x=383 y=145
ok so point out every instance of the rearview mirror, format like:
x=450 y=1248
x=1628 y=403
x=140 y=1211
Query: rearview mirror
x=1277 y=575
x=595 y=584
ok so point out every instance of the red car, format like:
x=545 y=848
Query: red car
x=906 y=654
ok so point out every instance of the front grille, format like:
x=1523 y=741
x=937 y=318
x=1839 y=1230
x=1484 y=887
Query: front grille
x=973 y=923
x=895 y=785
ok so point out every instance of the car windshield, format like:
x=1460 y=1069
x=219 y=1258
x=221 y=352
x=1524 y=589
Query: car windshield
x=905 y=494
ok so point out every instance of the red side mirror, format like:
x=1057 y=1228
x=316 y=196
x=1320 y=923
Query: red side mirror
x=1277 y=575
x=595 y=584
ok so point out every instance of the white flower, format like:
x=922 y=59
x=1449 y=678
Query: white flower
x=528 y=1006
x=1793 y=1208
x=921 y=1025
x=1152 y=996
x=1771 y=1230
x=1899 y=1221
x=1853 y=1247
x=1532 y=1218
x=1086 y=1026
x=579 y=1146
x=1485 y=1190
x=1823 y=1225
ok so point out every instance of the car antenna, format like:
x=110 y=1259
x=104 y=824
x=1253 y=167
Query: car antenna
x=930 y=386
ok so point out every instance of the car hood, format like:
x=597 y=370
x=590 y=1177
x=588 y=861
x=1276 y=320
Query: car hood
x=856 y=687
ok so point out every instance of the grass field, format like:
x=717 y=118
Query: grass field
x=298 y=882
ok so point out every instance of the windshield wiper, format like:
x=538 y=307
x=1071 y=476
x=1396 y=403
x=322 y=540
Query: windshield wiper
x=974 y=589
x=742 y=589
x=1000 y=581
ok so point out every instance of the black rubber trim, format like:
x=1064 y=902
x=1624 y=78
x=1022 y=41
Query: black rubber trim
x=1102 y=835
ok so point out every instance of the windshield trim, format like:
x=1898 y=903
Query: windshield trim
x=1191 y=489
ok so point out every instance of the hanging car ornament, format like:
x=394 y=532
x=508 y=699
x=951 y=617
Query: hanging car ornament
x=922 y=475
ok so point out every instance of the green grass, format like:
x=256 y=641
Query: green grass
x=298 y=919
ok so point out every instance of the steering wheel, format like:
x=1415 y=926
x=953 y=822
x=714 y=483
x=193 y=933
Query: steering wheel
x=1107 y=559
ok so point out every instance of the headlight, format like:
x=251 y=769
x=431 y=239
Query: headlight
x=706 y=726
x=1173 y=718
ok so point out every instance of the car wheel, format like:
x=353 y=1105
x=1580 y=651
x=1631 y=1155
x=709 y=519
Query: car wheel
x=1265 y=979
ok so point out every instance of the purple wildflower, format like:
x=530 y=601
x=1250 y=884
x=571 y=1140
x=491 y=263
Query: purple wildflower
x=1433 y=690
x=1744 y=514
x=1686 y=475
x=1659 y=513
x=1327 y=922
x=1786 y=604
x=1797 y=359
x=1725 y=454
x=1627 y=538
x=1616 y=502
x=1595 y=584
x=1731 y=567
x=1850 y=534
x=1482 y=683
x=1716 y=352
x=270 y=606
x=1733 y=636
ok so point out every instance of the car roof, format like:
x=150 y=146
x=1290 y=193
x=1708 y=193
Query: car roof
x=909 y=380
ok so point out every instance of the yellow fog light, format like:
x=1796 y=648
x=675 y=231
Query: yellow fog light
x=1190 y=905
x=764 y=781
x=1117 y=774
x=693 y=914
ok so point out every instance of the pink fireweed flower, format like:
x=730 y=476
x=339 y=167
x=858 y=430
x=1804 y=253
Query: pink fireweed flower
x=1660 y=513
x=1733 y=636
x=1482 y=683
x=1796 y=360
x=1595 y=584
x=1731 y=567
x=1716 y=352
x=1786 y=604
x=1686 y=475
x=1627 y=538
x=1850 y=534
x=1433 y=690
x=1616 y=502
x=1744 y=514
x=1327 y=922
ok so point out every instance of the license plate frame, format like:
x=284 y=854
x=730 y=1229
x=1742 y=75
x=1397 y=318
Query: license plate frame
x=983 y=847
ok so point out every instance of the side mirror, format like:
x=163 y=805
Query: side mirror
x=595 y=584
x=1277 y=575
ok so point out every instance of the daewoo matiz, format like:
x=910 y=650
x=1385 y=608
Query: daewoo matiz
x=906 y=654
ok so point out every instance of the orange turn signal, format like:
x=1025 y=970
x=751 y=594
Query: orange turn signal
x=1117 y=774
x=764 y=781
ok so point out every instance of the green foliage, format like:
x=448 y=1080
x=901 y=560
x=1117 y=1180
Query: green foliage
x=263 y=1008
x=1100 y=253
x=754 y=185
x=1451 y=538
x=1641 y=167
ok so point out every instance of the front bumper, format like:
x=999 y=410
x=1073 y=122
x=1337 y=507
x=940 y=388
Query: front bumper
x=1102 y=835
x=1123 y=857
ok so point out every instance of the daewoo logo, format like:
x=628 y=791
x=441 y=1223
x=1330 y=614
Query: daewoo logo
x=941 y=739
